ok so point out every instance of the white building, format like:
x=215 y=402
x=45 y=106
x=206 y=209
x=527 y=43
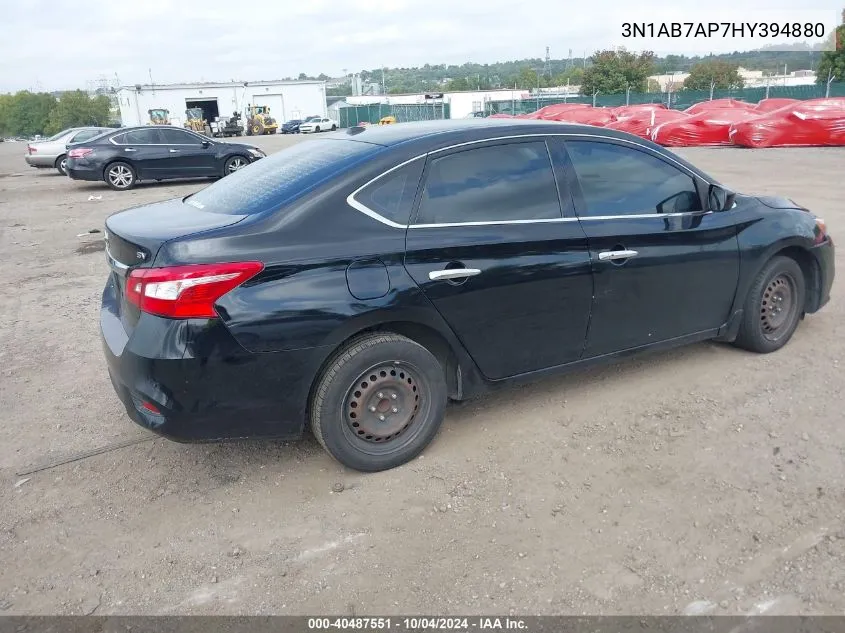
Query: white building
x=461 y=104
x=286 y=99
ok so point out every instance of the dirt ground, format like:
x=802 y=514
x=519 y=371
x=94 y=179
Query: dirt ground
x=702 y=480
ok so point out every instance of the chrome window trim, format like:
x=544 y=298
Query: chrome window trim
x=202 y=139
x=355 y=204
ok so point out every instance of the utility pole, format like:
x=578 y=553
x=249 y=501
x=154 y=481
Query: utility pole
x=830 y=78
x=712 y=87
x=383 y=83
x=628 y=94
x=595 y=94
x=547 y=68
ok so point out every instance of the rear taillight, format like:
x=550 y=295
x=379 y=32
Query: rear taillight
x=186 y=292
x=821 y=231
x=79 y=152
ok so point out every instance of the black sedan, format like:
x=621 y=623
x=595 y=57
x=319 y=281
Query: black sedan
x=291 y=127
x=358 y=281
x=163 y=152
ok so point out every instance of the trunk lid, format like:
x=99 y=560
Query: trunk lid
x=134 y=237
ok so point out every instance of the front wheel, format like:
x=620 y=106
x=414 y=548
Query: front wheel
x=773 y=307
x=233 y=164
x=120 y=176
x=334 y=127
x=379 y=402
x=317 y=129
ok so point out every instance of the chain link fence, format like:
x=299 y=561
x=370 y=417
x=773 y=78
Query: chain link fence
x=353 y=115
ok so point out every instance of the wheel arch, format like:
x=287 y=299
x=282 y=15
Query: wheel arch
x=452 y=360
x=59 y=159
x=811 y=270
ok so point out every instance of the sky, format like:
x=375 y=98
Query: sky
x=61 y=44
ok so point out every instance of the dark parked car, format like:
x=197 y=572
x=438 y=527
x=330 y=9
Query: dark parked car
x=160 y=152
x=360 y=280
x=291 y=127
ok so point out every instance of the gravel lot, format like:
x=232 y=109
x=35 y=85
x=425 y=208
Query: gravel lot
x=702 y=480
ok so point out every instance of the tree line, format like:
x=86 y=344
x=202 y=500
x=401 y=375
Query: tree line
x=29 y=113
x=609 y=72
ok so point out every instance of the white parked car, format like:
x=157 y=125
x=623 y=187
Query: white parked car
x=321 y=124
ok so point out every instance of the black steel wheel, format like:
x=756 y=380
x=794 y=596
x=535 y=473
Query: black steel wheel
x=774 y=306
x=378 y=402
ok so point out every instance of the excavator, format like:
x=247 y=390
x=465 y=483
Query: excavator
x=195 y=122
x=259 y=121
x=159 y=116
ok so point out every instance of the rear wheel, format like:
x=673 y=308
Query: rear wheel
x=120 y=176
x=773 y=307
x=234 y=163
x=379 y=402
x=334 y=127
x=61 y=165
x=257 y=128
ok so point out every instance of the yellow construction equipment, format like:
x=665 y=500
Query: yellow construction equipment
x=194 y=121
x=159 y=116
x=259 y=121
x=387 y=120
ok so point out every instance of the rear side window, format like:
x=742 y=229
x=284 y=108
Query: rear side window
x=392 y=195
x=85 y=135
x=273 y=181
x=507 y=182
x=139 y=137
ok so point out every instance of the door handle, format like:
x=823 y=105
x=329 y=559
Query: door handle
x=453 y=273
x=173 y=151
x=613 y=255
x=130 y=149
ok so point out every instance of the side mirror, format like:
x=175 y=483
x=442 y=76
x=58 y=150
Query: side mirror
x=719 y=198
x=206 y=144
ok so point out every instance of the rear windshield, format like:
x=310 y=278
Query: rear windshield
x=279 y=178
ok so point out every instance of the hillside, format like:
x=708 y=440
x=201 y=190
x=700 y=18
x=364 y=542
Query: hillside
x=524 y=73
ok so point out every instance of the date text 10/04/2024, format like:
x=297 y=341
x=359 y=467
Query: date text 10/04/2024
x=413 y=624
x=723 y=29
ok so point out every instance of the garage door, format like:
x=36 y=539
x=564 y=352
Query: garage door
x=276 y=104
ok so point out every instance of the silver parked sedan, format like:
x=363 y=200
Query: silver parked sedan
x=52 y=152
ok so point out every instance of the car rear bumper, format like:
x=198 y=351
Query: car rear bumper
x=34 y=160
x=82 y=172
x=190 y=381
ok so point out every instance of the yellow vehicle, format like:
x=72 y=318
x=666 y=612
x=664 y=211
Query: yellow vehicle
x=159 y=116
x=259 y=121
x=195 y=122
x=387 y=120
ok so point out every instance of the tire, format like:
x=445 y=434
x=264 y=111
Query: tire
x=120 y=176
x=334 y=127
x=379 y=402
x=234 y=163
x=773 y=307
x=317 y=129
x=60 y=165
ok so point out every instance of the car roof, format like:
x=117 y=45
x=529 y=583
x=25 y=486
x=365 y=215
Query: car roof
x=474 y=128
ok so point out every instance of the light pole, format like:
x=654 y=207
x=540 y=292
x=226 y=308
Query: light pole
x=830 y=78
